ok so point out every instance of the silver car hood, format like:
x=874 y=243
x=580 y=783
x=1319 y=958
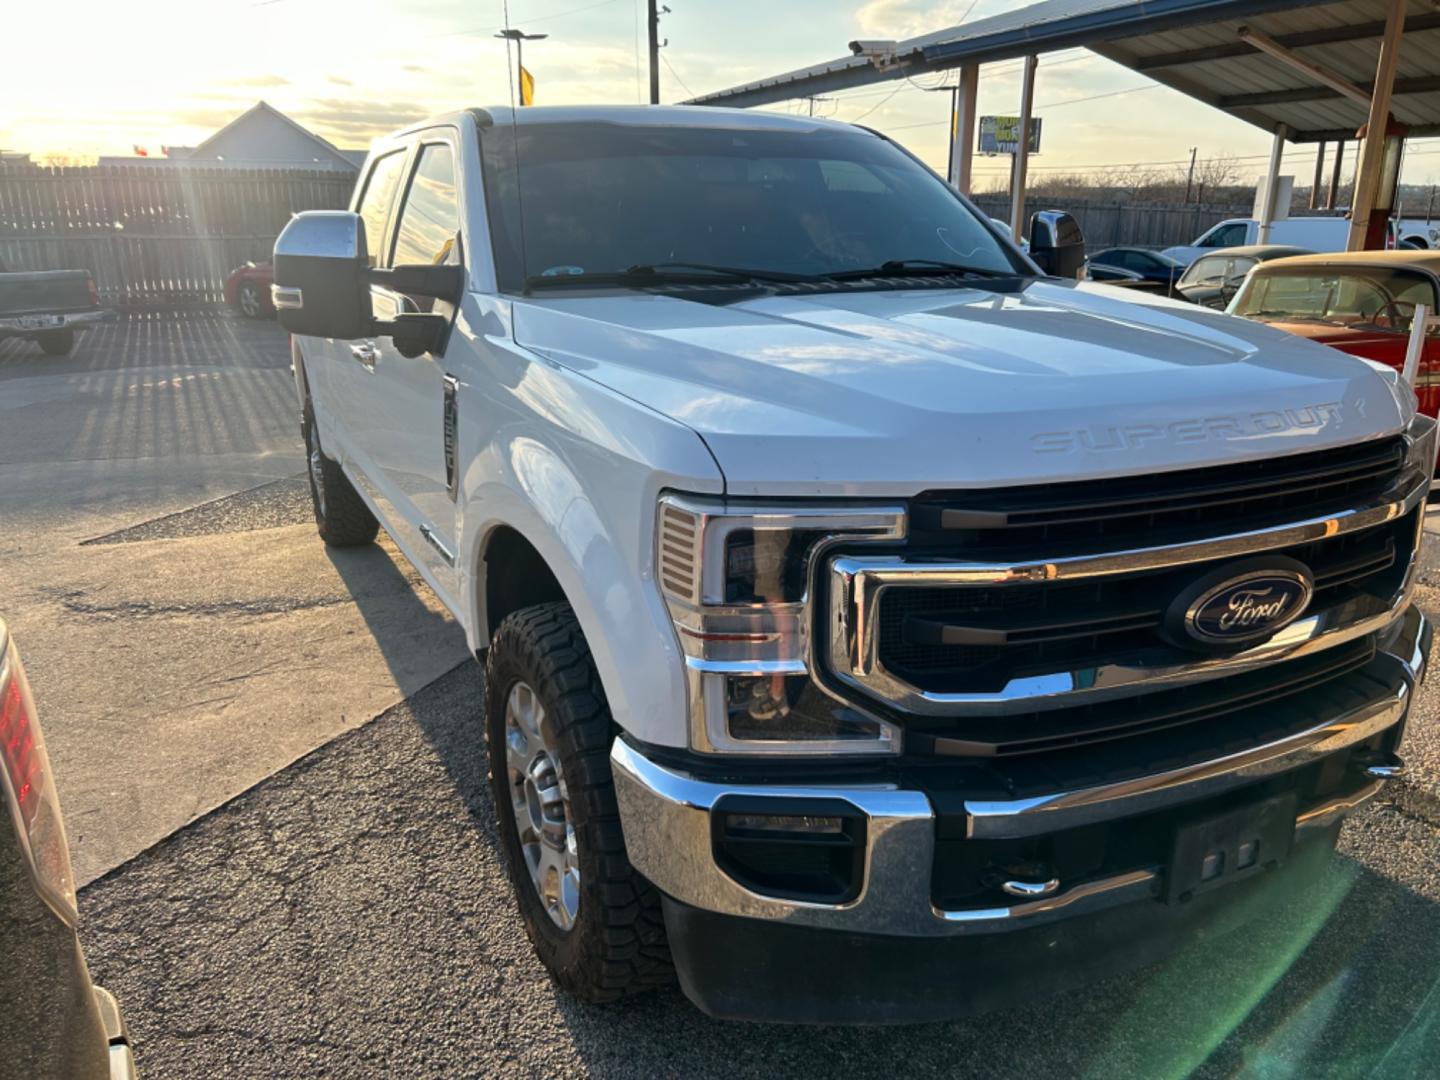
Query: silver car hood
x=899 y=391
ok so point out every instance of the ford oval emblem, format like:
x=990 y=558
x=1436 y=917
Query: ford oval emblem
x=1241 y=604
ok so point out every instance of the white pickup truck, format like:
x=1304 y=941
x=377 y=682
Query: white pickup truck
x=876 y=626
x=1317 y=233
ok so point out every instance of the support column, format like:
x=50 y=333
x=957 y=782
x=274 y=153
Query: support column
x=1022 y=152
x=1335 y=175
x=1367 y=176
x=1272 y=177
x=962 y=148
x=1319 y=175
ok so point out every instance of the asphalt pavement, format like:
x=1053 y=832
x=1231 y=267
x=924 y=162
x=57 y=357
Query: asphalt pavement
x=272 y=767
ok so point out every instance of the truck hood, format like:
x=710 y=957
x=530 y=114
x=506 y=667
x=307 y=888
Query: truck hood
x=890 y=393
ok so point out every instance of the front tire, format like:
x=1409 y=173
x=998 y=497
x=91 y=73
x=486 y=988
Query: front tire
x=594 y=921
x=55 y=342
x=341 y=516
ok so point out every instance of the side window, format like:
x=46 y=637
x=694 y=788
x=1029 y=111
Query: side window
x=375 y=203
x=1225 y=236
x=1208 y=271
x=430 y=220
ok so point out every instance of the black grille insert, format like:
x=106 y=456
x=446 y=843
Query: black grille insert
x=956 y=639
x=1065 y=729
x=1143 y=510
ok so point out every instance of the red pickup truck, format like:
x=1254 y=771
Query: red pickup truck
x=1361 y=302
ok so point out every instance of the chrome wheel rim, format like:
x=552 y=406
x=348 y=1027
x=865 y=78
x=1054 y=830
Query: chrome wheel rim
x=250 y=301
x=317 y=473
x=541 y=804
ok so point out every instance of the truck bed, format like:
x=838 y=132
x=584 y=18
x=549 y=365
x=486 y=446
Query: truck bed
x=26 y=292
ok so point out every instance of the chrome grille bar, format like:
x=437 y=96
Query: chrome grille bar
x=857 y=583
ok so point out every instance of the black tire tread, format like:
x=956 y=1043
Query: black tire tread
x=347 y=521
x=624 y=950
x=56 y=342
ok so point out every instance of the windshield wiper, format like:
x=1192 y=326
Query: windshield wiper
x=919 y=268
x=738 y=273
x=667 y=273
x=1291 y=316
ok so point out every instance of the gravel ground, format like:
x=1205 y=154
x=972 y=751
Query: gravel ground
x=268 y=506
x=350 y=916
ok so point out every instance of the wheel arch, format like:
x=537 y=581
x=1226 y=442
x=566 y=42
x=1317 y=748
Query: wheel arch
x=510 y=574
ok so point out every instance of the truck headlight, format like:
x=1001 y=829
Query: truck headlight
x=736 y=579
x=1421 y=444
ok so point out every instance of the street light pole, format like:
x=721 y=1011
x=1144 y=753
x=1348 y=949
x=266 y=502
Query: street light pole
x=519 y=37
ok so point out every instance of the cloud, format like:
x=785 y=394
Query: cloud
x=344 y=119
x=206 y=117
x=260 y=81
x=900 y=19
x=414 y=69
x=338 y=80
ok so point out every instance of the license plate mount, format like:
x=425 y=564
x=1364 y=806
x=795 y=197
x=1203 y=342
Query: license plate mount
x=1213 y=851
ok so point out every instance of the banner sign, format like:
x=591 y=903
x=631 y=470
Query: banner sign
x=1001 y=134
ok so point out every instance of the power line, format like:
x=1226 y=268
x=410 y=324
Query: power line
x=670 y=68
x=877 y=105
x=1003 y=67
x=562 y=14
x=1049 y=105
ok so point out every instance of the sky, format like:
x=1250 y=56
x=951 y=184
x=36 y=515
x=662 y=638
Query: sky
x=169 y=72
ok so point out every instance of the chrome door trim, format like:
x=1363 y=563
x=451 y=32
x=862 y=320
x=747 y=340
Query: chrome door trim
x=439 y=545
x=367 y=354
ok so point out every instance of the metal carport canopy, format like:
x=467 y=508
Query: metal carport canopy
x=1193 y=46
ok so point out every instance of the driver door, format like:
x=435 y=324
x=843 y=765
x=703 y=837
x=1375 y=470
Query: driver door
x=405 y=437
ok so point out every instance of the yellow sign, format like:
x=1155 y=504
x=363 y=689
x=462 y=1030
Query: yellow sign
x=527 y=88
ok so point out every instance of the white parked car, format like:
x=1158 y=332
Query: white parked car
x=861 y=607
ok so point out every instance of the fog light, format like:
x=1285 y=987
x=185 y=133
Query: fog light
x=785 y=823
x=797 y=849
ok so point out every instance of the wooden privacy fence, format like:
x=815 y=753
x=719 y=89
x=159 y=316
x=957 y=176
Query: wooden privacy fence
x=1108 y=223
x=154 y=235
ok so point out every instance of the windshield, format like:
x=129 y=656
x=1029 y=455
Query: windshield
x=603 y=198
x=1373 y=297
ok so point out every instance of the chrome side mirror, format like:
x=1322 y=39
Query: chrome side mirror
x=1057 y=244
x=321 y=288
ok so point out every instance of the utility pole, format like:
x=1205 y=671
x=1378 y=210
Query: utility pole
x=1319 y=176
x=1335 y=175
x=656 y=10
x=1190 y=176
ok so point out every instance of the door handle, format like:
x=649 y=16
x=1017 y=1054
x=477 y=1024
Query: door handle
x=366 y=353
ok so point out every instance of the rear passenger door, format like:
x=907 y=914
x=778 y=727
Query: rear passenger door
x=405 y=435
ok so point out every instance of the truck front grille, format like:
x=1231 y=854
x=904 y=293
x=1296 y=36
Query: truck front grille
x=958 y=638
x=1029 y=601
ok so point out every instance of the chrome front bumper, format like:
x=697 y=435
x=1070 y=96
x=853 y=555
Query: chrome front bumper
x=666 y=818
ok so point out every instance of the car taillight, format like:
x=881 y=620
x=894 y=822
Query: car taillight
x=29 y=786
x=94 y=292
